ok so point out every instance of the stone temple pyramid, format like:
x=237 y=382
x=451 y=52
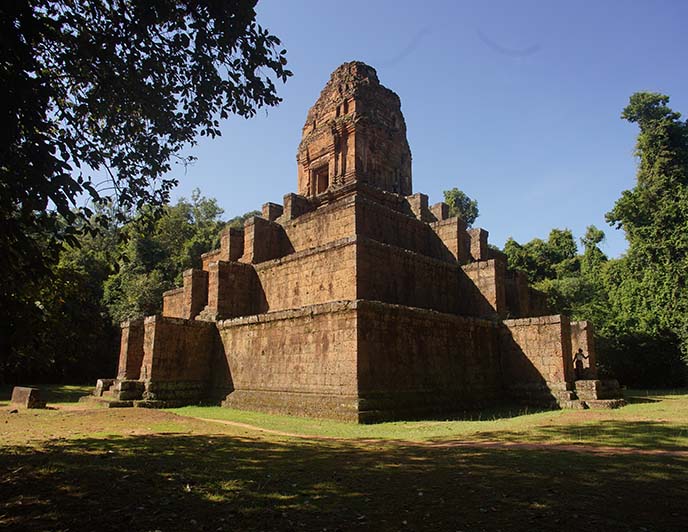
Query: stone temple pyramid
x=354 y=299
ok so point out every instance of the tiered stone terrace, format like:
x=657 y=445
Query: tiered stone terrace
x=354 y=299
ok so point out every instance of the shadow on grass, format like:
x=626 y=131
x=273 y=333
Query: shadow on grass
x=188 y=482
x=646 y=435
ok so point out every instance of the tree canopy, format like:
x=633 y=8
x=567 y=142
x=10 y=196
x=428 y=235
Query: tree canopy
x=461 y=205
x=539 y=259
x=654 y=216
x=638 y=302
x=72 y=331
x=101 y=97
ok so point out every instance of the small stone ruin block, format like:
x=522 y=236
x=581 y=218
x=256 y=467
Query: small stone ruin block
x=272 y=211
x=440 y=211
x=103 y=385
x=27 y=397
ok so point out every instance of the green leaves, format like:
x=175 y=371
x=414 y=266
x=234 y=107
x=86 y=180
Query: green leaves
x=157 y=252
x=639 y=302
x=461 y=205
x=540 y=260
x=654 y=215
x=98 y=98
x=117 y=89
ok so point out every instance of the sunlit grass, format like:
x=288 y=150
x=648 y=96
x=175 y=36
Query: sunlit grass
x=652 y=419
x=136 y=469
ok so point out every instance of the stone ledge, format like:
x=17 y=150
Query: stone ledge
x=321 y=405
x=310 y=310
x=408 y=254
x=347 y=305
x=479 y=265
x=340 y=243
x=136 y=322
x=382 y=308
x=173 y=292
x=155 y=404
x=341 y=201
x=211 y=253
x=606 y=404
x=177 y=321
x=105 y=402
x=542 y=320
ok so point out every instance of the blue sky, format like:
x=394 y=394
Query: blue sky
x=517 y=103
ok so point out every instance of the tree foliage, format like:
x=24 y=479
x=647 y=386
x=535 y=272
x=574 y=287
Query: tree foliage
x=638 y=302
x=152 y=261
x=71 y=332
x=100 y=98
x=461 y=205
x=653 y=290
x=539 y=259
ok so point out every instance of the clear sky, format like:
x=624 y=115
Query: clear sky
x=517 y=103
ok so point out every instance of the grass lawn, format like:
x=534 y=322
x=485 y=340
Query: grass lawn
x=79 y=468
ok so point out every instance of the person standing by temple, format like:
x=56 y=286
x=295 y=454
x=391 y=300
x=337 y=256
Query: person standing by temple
x=578 y=359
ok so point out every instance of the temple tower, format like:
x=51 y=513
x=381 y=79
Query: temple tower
x=355 y=132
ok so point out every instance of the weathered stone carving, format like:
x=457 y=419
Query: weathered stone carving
x=355 y=132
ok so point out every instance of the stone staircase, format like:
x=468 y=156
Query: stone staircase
x=593 y=393
x=116 y=393
x=125 y=393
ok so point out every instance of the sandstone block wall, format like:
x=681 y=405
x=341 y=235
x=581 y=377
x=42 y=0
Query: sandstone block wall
x=392 y=226
x=483 y=289
x=131 y=350
x=195 y=292
x=537 y=354
x=186 y=302
x=264 y=240
x=418 y=203
x=232 y=243
x=173 y=303
x=297 y=361
x=413 y=361
x=310 y=277
x=272 y=211
x=452 y=235
x=318 y=228
x=582 y=337
x=517 y=294
x=233 y=290
x=440 y=211
x=294 y=206
x=210 y=257
x=231 y=247
x=478 y=243
x=393 y=275
x=177 y=350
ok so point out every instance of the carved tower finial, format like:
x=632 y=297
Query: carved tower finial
x=355 y=132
